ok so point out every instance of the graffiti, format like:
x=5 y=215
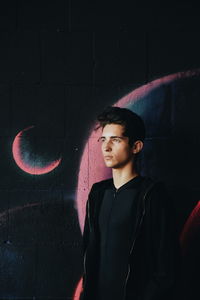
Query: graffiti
x=156 y=102
x=164 y=104
x=29 y=160
x=78 y=289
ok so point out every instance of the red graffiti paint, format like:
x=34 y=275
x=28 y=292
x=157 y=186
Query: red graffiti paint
x=25 y=166
x=190 y=229
x=78 y=290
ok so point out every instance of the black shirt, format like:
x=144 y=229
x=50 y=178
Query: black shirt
x=115 y=227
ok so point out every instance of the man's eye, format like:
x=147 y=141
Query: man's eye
x=101 y=140
x=116 y=140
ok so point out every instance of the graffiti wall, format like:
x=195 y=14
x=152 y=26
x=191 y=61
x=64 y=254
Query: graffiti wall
x=60 y=65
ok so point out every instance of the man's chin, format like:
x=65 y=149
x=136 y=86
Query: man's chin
x=108 y=165
x=113 y=166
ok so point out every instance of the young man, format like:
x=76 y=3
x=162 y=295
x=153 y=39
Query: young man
x=128 y=239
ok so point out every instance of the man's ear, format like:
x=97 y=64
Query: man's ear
x=137 y=147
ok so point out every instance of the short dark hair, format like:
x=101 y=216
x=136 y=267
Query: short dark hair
x=133 y=124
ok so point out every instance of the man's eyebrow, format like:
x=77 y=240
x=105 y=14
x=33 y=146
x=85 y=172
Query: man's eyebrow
x=113 y=136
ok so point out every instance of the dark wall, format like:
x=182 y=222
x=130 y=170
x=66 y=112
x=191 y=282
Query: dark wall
x=60 y=64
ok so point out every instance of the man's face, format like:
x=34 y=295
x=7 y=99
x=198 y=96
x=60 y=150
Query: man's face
x=116 y=150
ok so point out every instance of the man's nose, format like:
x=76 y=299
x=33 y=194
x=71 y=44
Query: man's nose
x=107 y=146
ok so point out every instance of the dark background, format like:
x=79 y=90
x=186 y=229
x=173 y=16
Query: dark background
x=61 y=62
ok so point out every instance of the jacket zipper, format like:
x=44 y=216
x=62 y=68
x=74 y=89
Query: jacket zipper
x=128 y=273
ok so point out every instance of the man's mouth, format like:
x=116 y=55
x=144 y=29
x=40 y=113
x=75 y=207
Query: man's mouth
x=107 y=157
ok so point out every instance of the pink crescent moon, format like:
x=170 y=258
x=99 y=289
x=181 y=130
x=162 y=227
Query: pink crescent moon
x=92 y=167
x=17 y=155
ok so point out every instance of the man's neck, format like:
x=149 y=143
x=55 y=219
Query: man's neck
x=121 y=176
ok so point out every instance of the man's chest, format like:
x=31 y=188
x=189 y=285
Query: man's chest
x=117 y=210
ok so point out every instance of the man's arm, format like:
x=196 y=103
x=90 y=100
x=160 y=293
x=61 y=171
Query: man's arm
x=162 y=245
x=86 y=230
x=86 y=234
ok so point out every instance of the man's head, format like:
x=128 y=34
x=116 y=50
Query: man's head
x=133 y=125
x=123 y=133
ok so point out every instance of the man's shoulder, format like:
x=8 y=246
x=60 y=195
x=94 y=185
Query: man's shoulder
x=102 y=184
x=146 y=184
x=157 y=192
x=99 y=186
x=152 y=186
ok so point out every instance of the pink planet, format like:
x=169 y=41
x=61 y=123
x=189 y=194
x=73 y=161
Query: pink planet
x=92 y=167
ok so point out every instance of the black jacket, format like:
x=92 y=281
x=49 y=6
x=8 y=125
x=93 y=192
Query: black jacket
x=154 y=252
